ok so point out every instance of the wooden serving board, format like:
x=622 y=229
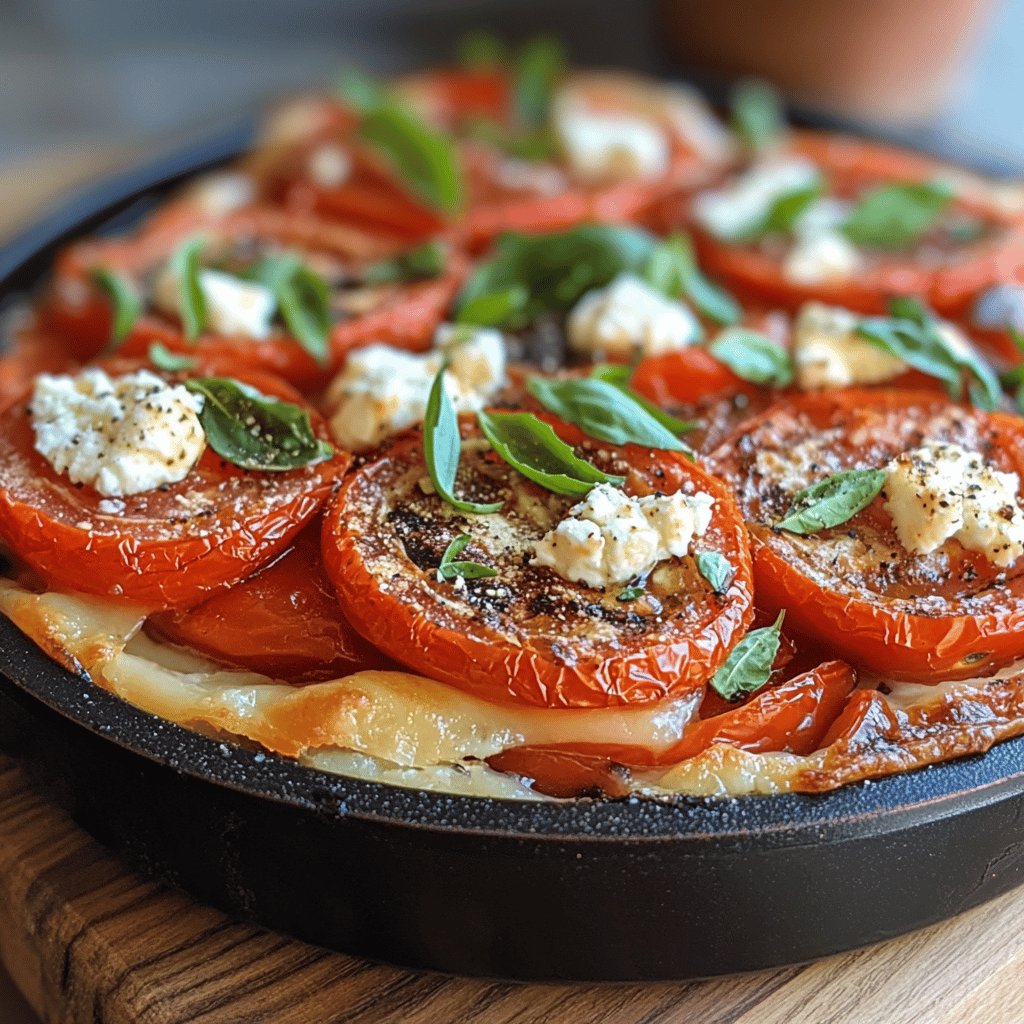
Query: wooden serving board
x=88 y=941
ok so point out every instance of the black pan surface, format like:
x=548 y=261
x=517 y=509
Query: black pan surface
x=582 y=890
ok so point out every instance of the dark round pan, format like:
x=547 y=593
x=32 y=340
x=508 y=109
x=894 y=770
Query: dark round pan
x=582 y=890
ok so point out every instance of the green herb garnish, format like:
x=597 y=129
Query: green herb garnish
x=758 y=117
x=170 y=362
x=256 y=431
x=832 y=501
x=192 y=304
x=716 y=569
x=530 y=446
x=749 y=665
x=753 y=357
x=451 y=567
x=303 y=300
x=419 y=264
x=672 y=269
x=618 y=375
x=124 y=298
x=897 y=216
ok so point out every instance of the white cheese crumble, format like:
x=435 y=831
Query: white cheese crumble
x=609 y=146
x=611 y=537
x=822 y=258
x=628 y=317
x=733 y=211
x=942 y=491
x=329 y=166
x=235 y=308
x=383 y=390
x=121 y=435
x=222 y=193
x=828 y=353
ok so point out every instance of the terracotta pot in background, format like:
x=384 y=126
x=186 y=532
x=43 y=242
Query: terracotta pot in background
x=882 y=60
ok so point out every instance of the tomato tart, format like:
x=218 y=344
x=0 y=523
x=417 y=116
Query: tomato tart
x=497 y=430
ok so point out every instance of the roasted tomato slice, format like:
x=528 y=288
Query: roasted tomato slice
x=942 y=268
x=527 y=634
x=163 y=548
x=854 y=587
x=283 y=621
x=78 y=316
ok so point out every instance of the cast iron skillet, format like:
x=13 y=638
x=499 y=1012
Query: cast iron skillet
x=585 y=890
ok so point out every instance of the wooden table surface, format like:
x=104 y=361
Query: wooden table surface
x=87 y=940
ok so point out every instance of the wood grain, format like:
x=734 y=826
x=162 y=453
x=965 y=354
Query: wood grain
x=90 y=942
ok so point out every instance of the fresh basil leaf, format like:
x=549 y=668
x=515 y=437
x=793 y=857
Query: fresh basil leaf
x=603 y=411
x=631 y=593
x=758 y=117
x=255 y=431
x=539 y=143
x=672 y=269
x=530 y=446
x=1013 y=381
x=556 y=269
x=896 y=216
x=493 y=308
x=170 y=362
x=124 y=298
x=618 y=375
x=303 y=300
x=442 y=448
x=422 y=263
x=782 y=214
x=1017 y=337
x=358 y=91
x=832 y=501
x=749 y=665
x=482 y=51
x=716 y=569
x=451 y=567
x=914 y=335
x=753 y=357
x=537 y=67
x=425 y=159
x=191 y=297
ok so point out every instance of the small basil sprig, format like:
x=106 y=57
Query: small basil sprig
x=192 y=304
x=672 y=269
x=442 y=448
x=554 y=270
x=124 y=298
x=631 y=593
x=749 y=665
x=781 y=215
x=424 y=158
x=758 y=117
x=603 y=411
x=716 y=569
x=494 y=308
x=619 y=375
x=912 y=333
x=832 y=501
x=753 y=357
x=303 y=300
x=536 y=68
x=419 y=264
x=1013 y=380
x=451 y=567
x=531 y=447
x=170 y=362
x=255 y=431
x=898 y=215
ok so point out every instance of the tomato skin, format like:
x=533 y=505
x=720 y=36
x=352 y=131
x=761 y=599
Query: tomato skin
x=687 y=376
x=870 y=634
x=283 y=621
x=154 y=554
x=493 y=668
x=851 y=164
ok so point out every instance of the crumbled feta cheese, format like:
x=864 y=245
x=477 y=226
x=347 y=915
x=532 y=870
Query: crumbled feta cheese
x=222 y=192
x=689 y=114
x=121 y=435
x=383 y=390
x=628 y=317
x=530 y=176
x=821 y=258
x=732 y=212
x=234 y=307
x=609 y=146
x=611 y=537
x=329 y=166
x=942 y=491
x=824 y=216
x=828 y=353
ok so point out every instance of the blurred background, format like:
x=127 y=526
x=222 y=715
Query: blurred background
x=96 y=73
